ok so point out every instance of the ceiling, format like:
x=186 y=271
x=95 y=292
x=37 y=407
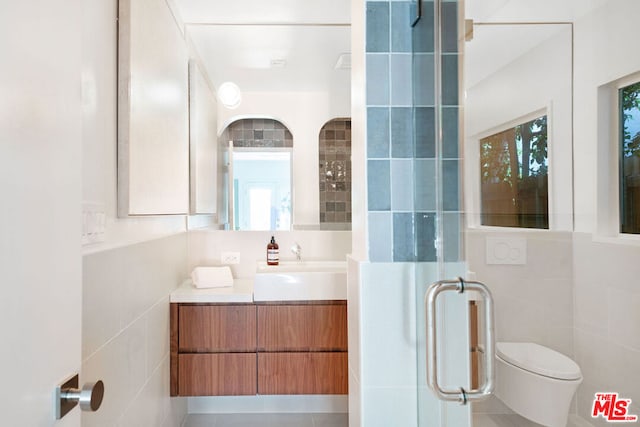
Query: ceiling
x=529 y=10
x=490 y=41
x=276 y=45
x=294 y=45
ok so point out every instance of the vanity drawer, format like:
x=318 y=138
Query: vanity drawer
x=217 y=374
x=303 y=373
x=217 y=328
x=302 y=327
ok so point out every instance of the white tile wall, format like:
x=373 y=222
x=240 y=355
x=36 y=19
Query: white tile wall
x=577 y=296
x=386 y=392
x=533 y=302
x=126 y=331
x=354 y=313
x=206 y=246
x=607 y=332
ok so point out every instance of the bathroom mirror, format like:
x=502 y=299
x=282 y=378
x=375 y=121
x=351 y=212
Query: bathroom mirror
x=518 y=117
x=291 y=63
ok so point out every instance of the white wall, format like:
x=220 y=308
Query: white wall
x=125 y=283
x=99 y=132
x=358 y=132
x=539 y=79
x=304 y=114
x=607 y=293
x=595 y=274
x=604 y=42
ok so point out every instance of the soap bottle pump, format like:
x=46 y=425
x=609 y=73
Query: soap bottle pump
x=273 y=252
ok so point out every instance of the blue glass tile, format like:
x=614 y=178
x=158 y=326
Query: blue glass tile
x=422 y=37
x=450 y=132
x=400 y=27
x=423 y=83
x=380 y=229
x=425 y=132
x=450 y=188
x=403 y=237
x=450 y=27
x=377 y=79
x=402 y=185
x=449 y=79
x=379 y=185
x=452 y=225
x=425 y=236
x=425 y=184
x=378 y=132
x=401 y=132
x=377 y=27
x=401 y=76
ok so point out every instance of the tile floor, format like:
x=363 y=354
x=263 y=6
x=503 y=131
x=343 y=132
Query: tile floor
x=514 y=420
x=267 y=420
x=340 y=420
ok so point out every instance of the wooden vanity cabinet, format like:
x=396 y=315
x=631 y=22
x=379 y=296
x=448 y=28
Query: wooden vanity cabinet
x=264 y=348
x=213 y=349
x=302 y=348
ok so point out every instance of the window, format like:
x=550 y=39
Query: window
x=262 y=188
x=514 y=176
x=629 y=110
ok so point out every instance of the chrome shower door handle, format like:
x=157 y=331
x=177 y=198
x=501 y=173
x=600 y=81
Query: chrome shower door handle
x=460 y=395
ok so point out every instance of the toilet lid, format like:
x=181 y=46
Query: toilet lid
x=538 y=359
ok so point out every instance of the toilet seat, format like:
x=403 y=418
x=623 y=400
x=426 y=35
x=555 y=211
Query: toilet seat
x=538 y=360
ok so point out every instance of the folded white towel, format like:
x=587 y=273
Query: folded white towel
x=212 y=277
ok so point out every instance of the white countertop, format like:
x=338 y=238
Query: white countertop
x=241 y=291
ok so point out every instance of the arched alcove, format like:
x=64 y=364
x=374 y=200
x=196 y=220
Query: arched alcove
x=334 y=154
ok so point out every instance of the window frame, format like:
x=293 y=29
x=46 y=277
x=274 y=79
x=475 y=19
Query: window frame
x=608 y=220
x=475 y=214
x=618 y=129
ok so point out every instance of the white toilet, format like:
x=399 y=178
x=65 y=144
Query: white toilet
x=536 y=382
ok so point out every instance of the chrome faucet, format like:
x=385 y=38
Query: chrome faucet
x=297 y=251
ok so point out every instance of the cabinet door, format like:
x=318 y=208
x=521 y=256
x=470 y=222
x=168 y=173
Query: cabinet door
x=217 y=328
x=217 y=374
x=303 y=373
x=291 y=327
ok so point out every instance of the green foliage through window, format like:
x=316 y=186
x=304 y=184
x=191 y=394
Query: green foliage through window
x=630 y=159
x=514 y=169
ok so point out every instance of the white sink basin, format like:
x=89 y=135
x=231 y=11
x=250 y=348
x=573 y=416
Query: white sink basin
x=301 y=281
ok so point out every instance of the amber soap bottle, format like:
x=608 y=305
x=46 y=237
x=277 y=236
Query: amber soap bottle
x=273 y=252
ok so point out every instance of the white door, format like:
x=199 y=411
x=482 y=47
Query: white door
x=40 y=192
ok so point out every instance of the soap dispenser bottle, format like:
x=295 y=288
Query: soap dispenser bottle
x=273 y=252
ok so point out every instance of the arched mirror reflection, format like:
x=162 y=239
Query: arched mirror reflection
x=259 y=174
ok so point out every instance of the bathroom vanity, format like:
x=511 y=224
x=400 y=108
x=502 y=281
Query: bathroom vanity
x=224 y=342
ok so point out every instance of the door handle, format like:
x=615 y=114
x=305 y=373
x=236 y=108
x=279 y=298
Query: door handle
x=460 y=395
x=68 y=395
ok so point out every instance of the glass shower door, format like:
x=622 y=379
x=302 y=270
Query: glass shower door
x=451 y=370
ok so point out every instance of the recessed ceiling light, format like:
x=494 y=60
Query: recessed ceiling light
x=278 y=63
x=229 y=94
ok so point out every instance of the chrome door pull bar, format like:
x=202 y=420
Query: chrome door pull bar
x=460 y=395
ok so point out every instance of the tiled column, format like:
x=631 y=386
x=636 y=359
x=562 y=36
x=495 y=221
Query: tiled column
x=401 y=139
